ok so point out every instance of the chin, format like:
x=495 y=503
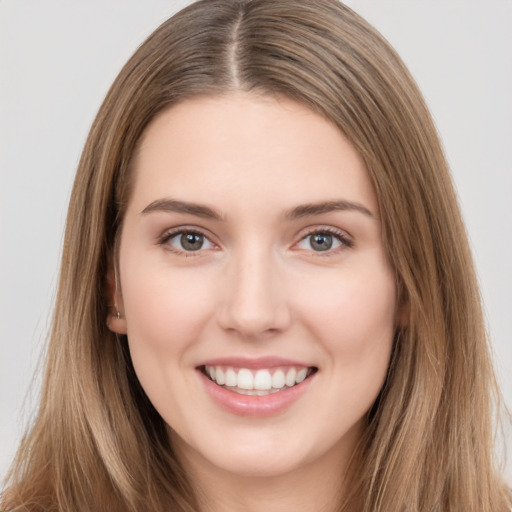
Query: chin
x=256 y=465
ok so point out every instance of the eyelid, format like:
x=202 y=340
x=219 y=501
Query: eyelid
x=169 y=234
x=342 y=236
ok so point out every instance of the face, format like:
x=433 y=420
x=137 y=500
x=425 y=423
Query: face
x=254 y=287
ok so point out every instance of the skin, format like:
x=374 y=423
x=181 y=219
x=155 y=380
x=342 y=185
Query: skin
x=257 y=287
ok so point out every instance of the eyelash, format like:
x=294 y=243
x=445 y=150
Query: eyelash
x=169 y=235
x=345 y=241
x=340 y=236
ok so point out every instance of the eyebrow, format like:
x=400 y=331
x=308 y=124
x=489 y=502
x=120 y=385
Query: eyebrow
x=309 y=210
x=175 y=206
x=301 y=211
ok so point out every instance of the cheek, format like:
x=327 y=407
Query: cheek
x=165 y=313
x=354 y=316
x=164 y=309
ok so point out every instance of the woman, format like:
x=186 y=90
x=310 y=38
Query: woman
x=266 y=296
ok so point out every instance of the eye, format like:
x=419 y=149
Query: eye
x=323 y=241
x=188 y=241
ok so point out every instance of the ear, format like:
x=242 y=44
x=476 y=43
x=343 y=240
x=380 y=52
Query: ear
x=116 y=320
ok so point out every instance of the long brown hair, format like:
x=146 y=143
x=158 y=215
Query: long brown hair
x=97 y=443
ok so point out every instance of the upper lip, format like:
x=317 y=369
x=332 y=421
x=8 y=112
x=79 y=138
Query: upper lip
x=253 y=362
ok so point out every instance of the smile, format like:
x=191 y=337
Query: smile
x=260 y=382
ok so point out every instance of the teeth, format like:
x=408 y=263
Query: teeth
x=255 y=392
x=220 y=377
x=261 y=382
x=290 y=377
x=278 y=379
x=231 y=377
x=245 y=379
x=301 y=375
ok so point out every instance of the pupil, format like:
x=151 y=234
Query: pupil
x=191 y=241
x=321 y=242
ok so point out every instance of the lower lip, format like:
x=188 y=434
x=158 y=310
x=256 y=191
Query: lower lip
x=249 y=405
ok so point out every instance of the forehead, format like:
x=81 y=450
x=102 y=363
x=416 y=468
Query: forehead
x=242 y=145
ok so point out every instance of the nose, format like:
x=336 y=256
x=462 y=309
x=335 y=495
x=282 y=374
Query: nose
x=254 y=301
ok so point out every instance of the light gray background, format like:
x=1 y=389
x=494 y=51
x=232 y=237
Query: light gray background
x=57 y=59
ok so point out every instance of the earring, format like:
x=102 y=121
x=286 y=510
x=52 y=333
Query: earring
x=118 y=313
